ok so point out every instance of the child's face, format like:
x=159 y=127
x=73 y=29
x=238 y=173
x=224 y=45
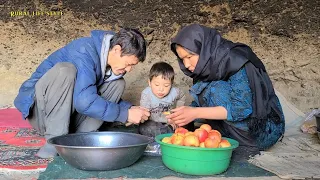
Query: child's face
x=160 y=87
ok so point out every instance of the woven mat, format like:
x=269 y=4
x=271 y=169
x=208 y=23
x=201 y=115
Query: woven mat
x=149 y=167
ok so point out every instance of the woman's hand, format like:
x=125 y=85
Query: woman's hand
x=182 y=115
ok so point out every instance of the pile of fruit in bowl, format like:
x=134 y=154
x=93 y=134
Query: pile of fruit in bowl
x=202 y=152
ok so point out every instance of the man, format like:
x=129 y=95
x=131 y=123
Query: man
x=79 y=86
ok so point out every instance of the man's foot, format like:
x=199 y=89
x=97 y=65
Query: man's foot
x=47 y=151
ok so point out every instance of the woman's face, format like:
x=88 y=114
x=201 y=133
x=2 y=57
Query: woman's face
x=189 y=59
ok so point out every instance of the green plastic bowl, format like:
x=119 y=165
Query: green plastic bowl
x=196 y=160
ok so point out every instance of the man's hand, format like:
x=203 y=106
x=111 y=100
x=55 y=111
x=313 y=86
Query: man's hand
x=136 y=114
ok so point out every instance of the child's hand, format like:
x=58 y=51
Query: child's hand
x=174 y=126
x=182 y=115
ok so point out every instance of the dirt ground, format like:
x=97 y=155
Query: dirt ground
x=285 y=34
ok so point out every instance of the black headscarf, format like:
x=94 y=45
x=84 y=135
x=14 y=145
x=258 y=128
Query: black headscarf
x=220 y=58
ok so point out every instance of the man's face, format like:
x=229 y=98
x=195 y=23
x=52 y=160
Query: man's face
x=160 y=86
x=121 y=64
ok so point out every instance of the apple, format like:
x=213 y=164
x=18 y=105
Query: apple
x=211 y=143
x=181 y=130
x=189 y=133
x=207 y=127
x=202 y=134
x=166 y=140
x=191 y=140
x=224 y=143
x=166 y=112
x=177 y=139
x=214 y=134
x=202 y=145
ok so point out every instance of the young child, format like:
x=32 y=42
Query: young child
x=160 y=97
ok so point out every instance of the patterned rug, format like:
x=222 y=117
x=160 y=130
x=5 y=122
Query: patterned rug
x=19 y=144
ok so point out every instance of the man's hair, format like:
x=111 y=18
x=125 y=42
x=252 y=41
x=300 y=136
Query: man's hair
x=162 y=68
x=131 y=41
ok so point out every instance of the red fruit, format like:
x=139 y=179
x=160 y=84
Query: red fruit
x=189 y=133
x=202 y=145
x=166 y=140
x=181 y=130
x=202 y=134
x=207 y=127
x=191 y=140
x=211 y=143
x=224 y=143
x=214 y=134
x=177 y=139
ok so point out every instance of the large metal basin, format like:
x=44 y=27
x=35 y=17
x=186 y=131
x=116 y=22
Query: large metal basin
x=100 y=150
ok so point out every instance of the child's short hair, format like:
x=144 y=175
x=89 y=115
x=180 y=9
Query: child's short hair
x=162 y=68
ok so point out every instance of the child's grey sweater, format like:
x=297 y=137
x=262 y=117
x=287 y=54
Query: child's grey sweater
x=157 y=106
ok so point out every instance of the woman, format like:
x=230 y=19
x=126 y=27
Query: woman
x=232 y=90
